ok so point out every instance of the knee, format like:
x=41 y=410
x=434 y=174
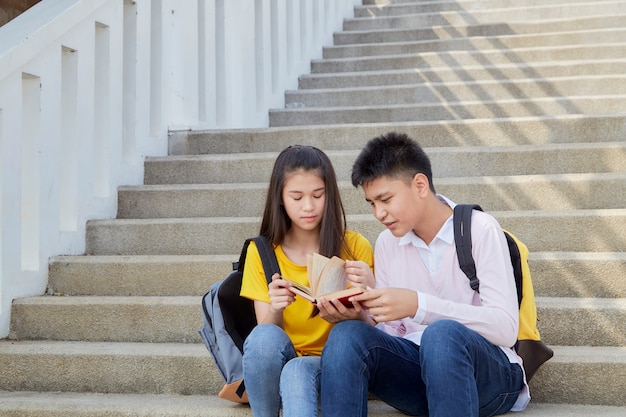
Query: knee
x=264 y=341
x=345 y=338
x=344 y=331
x=301 y=368
x=441 y=339
x=300 y=383
x=442 y=330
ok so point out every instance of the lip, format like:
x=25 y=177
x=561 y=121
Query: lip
x=309 y=218
x=389 y=225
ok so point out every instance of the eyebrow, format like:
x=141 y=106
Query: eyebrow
x=299 y=191
x=377 y=197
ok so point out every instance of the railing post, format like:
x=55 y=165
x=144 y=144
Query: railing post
x=236 y=78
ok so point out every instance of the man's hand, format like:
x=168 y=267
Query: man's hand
x=387 y=304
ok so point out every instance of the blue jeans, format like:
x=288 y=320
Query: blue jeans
x=455 y=372
x=272 y=370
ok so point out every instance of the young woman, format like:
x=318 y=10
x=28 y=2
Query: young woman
x=303 y=215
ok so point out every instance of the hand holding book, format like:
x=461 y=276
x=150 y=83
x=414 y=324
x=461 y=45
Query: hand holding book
x=328 y=279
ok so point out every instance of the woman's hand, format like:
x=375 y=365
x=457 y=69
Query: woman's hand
x=280 y=296
x=334 y=311
x=359 y=274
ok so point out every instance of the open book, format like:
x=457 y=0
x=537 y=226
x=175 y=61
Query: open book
x=327 y=278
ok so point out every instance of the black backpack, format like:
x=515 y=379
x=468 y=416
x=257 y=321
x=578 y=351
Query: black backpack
x=533 y=351
x=229 y=318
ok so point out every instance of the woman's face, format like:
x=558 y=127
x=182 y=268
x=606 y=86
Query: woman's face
x=304 y=198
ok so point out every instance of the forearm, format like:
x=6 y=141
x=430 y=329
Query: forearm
x=265 y=314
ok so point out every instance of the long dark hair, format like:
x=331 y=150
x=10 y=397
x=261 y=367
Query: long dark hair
x=276 y=223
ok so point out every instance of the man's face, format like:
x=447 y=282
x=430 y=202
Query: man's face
x=396 y=203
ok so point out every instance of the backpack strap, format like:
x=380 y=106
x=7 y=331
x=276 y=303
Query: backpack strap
x=462 y=220
x=267 y=254
x=268 y=257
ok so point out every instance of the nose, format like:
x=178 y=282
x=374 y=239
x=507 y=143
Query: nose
x=309 y=204
x=379 y=213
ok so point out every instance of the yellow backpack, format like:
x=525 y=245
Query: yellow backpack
x=533 y=351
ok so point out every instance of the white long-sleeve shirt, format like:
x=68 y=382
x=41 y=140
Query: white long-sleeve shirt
x=443 y=288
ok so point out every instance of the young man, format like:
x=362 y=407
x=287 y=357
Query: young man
x=423 y=341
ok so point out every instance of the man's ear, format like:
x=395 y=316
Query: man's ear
x=421 y=184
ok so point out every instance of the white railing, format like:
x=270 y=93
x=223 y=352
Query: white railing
x=90 y=87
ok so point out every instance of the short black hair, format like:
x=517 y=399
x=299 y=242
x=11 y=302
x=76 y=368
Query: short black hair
x=394 y=155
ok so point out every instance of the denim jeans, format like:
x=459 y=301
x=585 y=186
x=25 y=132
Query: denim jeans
x=272 y=370
x=455 y=372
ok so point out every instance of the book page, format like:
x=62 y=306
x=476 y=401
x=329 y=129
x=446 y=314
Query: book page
x=332 y=278
x=315 y=266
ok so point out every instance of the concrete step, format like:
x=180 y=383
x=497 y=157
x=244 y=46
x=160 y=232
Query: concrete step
x=61 y=404
x=543 y=230
x=527 y=192
x=575 y=375
x=408 y=17
x=582 y=321
x=578 y=274
x=510 y=42
x=490 y=57
x=555 y=274
x=563 y=321
x=487 y=109
x=138 y=275
x=470 y=161
x=58 y=404
x=460 y=91
x=108 y=367
x=157 y=319
x=504 y=72
x=582 y=375
x=464 y=3
x=540 y=130
x=471 y=29
x=395 y=7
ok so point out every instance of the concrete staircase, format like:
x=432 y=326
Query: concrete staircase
x=520 y=105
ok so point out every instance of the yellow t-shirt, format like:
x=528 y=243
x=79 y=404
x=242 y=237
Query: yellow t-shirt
x=308 y=334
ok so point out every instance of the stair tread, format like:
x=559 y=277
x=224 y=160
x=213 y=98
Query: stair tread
x=574 y=46
x=452 y=149
x=564 y=354
x=146 y=405
x=545 y=255
x=539 y=80
x=469 y=28
x=365 y=217
x=595 y=303
x=617 y=98
x=537 y=13
x=505 y=42
x=486 y=179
